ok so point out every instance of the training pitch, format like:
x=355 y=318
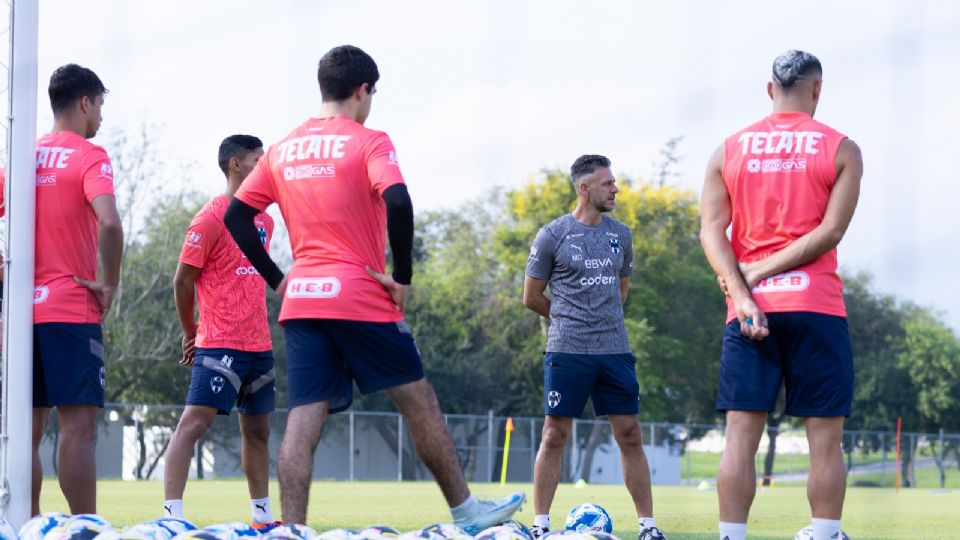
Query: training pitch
x=682 y=512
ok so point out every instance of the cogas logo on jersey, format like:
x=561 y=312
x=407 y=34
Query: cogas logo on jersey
x=786 y=282
x=40 y=294
x=303 y=172
x=46 y=179
x=320 y=287
x=247 y=271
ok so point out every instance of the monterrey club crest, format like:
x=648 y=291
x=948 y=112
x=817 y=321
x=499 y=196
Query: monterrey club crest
x=553 y=398
x=615 y=245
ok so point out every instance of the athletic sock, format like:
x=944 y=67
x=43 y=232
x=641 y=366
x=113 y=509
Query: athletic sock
x=733 y=531
x=823 y=529
x=462 y=510
x=646 y=522
x=542 y=520
x=173 y=508
x=261 y=510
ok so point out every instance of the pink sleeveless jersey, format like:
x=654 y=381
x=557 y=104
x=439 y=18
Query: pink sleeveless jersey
x=779 y=173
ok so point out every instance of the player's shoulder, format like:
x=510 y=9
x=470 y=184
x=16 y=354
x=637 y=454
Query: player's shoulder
x=615 y=225
x=559 y=227
x=212 y=211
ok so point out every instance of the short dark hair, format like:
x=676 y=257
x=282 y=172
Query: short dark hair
x=586 y=164
x=344 y=69
x=70 y=83
x=236 y=146
x=791 y=66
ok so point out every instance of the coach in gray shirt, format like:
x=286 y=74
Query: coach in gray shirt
x=586 y=258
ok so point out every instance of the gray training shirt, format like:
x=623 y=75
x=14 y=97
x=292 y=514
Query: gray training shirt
x=583 y=266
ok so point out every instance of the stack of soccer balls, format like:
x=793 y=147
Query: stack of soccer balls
x=585 y=522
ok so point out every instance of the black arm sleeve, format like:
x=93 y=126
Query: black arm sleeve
x=239 y=221
x=400 y=231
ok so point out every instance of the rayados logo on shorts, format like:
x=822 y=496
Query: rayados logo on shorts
x=320 y=287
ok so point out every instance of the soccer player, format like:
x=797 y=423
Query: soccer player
x=230 y=350
x=586 y=258
x=789 y=186
x=77 y=219
x=338 y=185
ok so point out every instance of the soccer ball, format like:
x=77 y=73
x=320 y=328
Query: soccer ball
x=231 y=530
x=174 y=526
x=589 y=517
x=336 y=534
x=521 y=528
x=79 y=527
x=501 y=532
x=598 y=535
x=444 y=530
x=7 y=532
x=806 y=533
x=108 y=535
x=145 y=531
x=196 y=534
x=40 y=525
x=375 y=532
x=291 y=532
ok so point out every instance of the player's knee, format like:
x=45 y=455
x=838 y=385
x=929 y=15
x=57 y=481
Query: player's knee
x=630 y=437
x=193 y=427
x=554 y=437
x=259 y=434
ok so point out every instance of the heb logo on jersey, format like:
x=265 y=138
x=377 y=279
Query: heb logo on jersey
x=47 y=179
x=303 y=172
x=776 y=165
x=40 y=294
x=322 y=287
x=778 y=142
x=193 y=239
x=786 y=282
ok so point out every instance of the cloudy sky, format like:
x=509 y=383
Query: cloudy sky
x=477 y=94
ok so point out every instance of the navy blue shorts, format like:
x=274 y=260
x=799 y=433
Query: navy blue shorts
x=224 y=377
x=68 y=364
x=610 y=380
x=808 y=352
x=325 y=357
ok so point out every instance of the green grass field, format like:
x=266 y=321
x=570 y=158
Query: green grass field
x=682 y=512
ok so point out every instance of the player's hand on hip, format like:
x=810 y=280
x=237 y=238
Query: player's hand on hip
x=753 y=321
x=397 y=291
x=101 y=291
x=282 y=287
x=189 y=350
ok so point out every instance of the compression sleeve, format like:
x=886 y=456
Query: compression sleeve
x=400 y=231
x=239 y=221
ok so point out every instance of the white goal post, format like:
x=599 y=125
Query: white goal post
x=20 y=186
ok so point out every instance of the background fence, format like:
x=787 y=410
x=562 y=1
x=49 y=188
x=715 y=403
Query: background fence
x=358 y=445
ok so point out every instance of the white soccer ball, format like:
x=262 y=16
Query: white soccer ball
x=196 y=534
x=231 y=530
x=38 y=526
x=501 y=532
x=290 y=532
x=444 y=530
x=174 y=526
x=336 y=534
x=79 y=527
x=806 y=533
x=378 y=532
x=589 y=517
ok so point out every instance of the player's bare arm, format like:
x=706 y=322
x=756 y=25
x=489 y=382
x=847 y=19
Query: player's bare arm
x=534 y=298
x=111 y=251
x=826 y=236
x=184 y=293
x=624 y=289
x=716 y=215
